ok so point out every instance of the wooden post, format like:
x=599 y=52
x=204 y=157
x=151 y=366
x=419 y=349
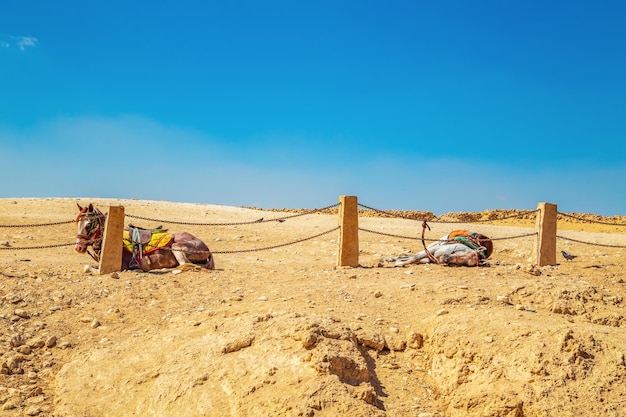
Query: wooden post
x=348 y=254
x=111 y=255
x=545 y=247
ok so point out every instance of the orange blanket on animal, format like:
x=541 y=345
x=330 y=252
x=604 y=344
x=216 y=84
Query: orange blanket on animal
x=158 y=240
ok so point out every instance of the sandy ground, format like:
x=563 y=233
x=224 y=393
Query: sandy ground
x=284 y=331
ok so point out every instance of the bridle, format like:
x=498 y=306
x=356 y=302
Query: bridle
x=91 y=235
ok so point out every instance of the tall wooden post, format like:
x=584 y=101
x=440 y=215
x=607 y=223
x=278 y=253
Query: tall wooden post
x=348 y=254
x=545 y=246
x=111 y=254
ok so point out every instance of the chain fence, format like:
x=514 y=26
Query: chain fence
x=6 y=246
x=261 y=220
x=15 y=226
x=431 y=218
x=594 y=221
x=386 y=213
x=520 y=214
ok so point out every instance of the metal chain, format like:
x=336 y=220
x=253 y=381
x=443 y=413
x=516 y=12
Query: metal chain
x=278 y=246
x=38 y=225
x=388 y=213
x=436 y=240
x=521 y=214
x=591 y=243
x=512 y=216
x=37 y=247
x=191 y=223
x=261 y=220
x=590 y=221
x=398 y=236
x=514 y=237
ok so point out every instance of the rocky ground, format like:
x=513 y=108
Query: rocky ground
x=283 y=331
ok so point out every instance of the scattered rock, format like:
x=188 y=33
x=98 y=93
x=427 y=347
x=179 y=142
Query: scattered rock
x=51 y=341
x=32 y=410
x=17 y=340
x=24 y=349
x=238 y=344
x=12 y=403
x=533 y=270
x=416 y=341
x=503 y=299
x=21 y=313
x=374 y=341
x=395 y=343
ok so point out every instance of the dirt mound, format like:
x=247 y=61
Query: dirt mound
x=220 y=369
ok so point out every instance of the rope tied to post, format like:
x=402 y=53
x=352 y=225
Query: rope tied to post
x=430 y=255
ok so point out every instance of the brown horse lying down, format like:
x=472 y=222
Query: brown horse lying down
x=459 y=247
x=161 y=250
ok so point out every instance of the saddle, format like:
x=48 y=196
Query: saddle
x=140 y=241
x=480 y=243
x=142 y=236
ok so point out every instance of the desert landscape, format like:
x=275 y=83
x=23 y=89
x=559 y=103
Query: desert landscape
x=279 y=330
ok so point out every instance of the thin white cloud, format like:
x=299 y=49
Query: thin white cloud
x=24 y=42
x=21 y=42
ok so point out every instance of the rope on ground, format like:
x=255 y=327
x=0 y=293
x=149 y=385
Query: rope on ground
x=261 y=220
x=277 y=246
x=581 y=219
x=36 y=247
x=37 y=225
x=591 y=243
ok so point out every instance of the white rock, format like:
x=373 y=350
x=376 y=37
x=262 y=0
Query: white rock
x=503 y=299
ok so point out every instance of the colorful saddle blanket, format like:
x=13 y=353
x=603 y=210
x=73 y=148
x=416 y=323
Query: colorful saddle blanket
x=473 y=240
x=156 y=240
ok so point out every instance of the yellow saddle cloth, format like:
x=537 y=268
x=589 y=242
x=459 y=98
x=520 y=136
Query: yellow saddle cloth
x=158 y=240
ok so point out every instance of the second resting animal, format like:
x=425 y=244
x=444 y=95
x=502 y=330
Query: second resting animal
x=459 y=247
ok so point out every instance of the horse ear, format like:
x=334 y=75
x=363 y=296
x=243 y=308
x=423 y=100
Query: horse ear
x=79 y=207
x=90 y=207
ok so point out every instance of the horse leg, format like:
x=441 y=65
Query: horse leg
x=420 y=257
x=189 y=249
x=179 y=254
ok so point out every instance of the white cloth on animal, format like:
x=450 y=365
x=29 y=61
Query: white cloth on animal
x=446 y=252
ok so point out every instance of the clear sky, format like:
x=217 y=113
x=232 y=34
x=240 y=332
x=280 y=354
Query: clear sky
x=414 y=105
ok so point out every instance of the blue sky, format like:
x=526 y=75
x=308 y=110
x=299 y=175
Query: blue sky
x=416 y=105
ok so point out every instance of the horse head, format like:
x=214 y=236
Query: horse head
x=90 y=223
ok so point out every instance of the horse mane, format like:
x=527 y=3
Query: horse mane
x=86 y=210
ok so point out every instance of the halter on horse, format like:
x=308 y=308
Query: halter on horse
x=90 y=222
